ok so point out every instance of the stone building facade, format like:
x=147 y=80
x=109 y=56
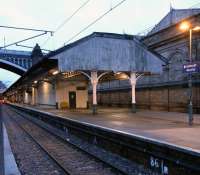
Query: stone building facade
x=168 y=91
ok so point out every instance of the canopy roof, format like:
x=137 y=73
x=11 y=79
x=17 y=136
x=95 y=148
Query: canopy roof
x=108 y=52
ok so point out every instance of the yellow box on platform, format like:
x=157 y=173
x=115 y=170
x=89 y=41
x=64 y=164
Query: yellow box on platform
x=63 y=105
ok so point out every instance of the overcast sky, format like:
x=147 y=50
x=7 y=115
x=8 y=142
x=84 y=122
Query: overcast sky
x=132 y=17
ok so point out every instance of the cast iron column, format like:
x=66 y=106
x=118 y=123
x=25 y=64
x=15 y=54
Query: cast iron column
x=94 y=82
x=133 y=84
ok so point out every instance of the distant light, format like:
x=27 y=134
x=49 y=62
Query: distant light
x=185 y=26
x=55 y=72
x=118 y=73
x=123 y=76
x=35 y=82
x=197 y=28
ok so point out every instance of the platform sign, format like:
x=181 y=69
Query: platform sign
x=158 y=165
x=191 y=67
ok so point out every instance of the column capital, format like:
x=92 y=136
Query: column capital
x=94 y=78
x=133 y=78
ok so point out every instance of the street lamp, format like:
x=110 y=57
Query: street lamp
x=186 y=26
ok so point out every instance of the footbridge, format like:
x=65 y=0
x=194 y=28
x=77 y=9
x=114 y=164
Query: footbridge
x=15 y=61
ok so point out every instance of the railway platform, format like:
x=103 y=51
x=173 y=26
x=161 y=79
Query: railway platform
x=169 y=127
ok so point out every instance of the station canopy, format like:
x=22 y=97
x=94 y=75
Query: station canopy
x=108 y=52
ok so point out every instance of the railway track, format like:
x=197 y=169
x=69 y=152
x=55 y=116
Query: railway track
x=131 y=154
x=71 y=160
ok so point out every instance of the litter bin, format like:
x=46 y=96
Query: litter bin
x=56 y=105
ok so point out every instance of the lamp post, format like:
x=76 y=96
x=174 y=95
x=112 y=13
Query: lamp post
x=185 y=26
x=190 y=105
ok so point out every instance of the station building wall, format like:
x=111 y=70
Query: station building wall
x=163 y=98
x=46 y=94
x=27 y=98
x=172 y=98
x=34 y=96
x=19 y=98
x=64 y=87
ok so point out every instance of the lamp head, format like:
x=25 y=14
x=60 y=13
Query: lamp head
x=185 y=26
x=197 y=28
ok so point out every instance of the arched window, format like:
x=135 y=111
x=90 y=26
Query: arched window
x=176 y=60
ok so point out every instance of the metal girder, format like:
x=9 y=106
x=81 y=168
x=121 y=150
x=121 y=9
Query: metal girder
x=23 y=40
x=44 y=32
x=23 y=28
x=20 y=45
x=12 y=67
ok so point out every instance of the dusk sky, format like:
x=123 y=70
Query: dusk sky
x=132 y=17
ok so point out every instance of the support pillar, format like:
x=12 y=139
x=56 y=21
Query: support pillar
x=133 y=85
x=24 y=97
x=33 y=96
x=94 y=82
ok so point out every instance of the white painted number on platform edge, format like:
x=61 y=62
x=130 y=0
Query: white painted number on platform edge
x=158 y=164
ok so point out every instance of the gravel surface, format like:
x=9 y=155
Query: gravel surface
x=73 y=159
x=30 y=159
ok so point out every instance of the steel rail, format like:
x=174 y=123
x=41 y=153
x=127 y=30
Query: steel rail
x=68 y=172
x=68 y=142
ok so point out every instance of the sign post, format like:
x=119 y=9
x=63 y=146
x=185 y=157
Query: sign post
x=191 y=68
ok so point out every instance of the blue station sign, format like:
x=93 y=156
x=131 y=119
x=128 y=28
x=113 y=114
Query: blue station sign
x=191 y=67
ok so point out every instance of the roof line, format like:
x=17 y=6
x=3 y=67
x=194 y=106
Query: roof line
x=28 y=72
x=94 y=34
x=164 y=59
x=147 y=36
x=150 y=34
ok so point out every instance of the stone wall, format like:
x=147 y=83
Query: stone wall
x=172 y=98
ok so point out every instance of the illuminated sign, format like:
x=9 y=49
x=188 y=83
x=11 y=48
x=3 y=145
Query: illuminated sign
x=191 y=68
